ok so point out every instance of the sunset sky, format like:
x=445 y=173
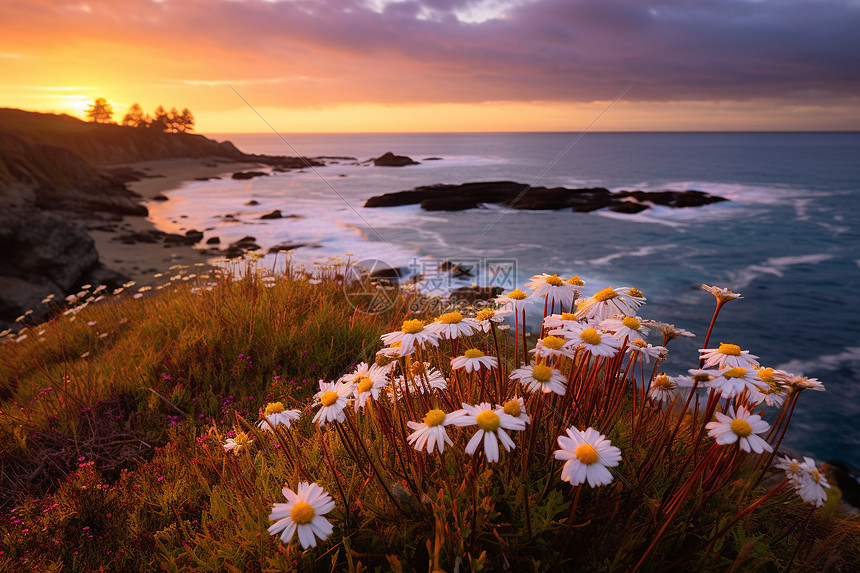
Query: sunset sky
x=442 y=65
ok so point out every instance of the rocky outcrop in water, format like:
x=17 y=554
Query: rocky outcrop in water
x=443 y=197
x=388 y=159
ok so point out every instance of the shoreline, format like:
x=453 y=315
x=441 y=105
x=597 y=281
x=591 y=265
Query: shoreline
x=141 y=260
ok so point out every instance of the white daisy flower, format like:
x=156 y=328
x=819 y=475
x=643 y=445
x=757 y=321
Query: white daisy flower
x=597 y=343
x=809 y=483
x=411 y=333
x=741 y=426
x=540 y=378
x=491 y=429
x=587 y=456
x=553 y=288
x=486 y=317
x=729 y=355
x=303 y=513
x=629 y=327
x=332 y=399
x=669 y=331
x=646 y=350
x=473 y=360
x=516 y=408
x=374 y=371
x=723 y=295
x=553 y=347
x=366 y=382
x=515 y=300
x=416 y=382
x=731 y=382
x=237 y=443
x=430 y=433
x=796 y=382
x=663 y=388
x=776 y=393
x=609 y=302
x=452 y=325
x=563 y=321
x=275 y=414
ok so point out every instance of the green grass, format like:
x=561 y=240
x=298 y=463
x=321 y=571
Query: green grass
x=113 y=454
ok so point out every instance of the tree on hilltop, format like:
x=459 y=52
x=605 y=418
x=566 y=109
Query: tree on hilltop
x=135 y=117
x=187 y=120
x=100 y=111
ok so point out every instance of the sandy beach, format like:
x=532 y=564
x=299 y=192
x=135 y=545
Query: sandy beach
x=141 y=260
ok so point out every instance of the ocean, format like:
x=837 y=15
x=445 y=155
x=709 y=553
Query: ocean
x=787 y=239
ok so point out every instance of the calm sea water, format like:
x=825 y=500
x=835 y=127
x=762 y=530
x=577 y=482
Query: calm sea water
x=788 y=239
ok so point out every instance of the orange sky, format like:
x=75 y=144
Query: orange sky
x=441 y=65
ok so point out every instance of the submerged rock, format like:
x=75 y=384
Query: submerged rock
x=388 y=159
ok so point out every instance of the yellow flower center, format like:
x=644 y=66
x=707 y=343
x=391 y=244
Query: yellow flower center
x=586 y=454
x=741 y=427
x=328 y=398
x=766 y=375
x=635 y=292
x=568 y=316
x=512 y=408
x=412 y=326
x=631 y=322
x=729 y=349
x=274 y=408
x=434 y=418
x=591 y=336
x=554 y=281
x=701 y=378
x=485 y=314
x=365 y=384
x=542 y=373
x=553 y=342
x=734 y=373
x=816 y=477
x=575 y=281
x=418 y=368
x=488 y=421
x=606 y=294
x=663 y=382
x=241 y=438
x=517 y=294
x=451 y=318
x=302 y=513
x=473 y=353
x=640 y=343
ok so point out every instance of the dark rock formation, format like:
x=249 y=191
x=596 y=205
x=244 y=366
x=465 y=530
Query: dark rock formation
x=473 y=294
x=276 y=214
x=252 y=203
x=286 y=247
x=241 y=175
x=520 y=196
x=388 y=159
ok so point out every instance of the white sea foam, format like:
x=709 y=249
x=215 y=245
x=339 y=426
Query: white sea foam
x=830 y=362
x=774 y=266
x=640 y=252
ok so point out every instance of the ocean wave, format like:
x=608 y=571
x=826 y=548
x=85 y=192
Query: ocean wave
x=774 y=266
x=640 y=252
x=826 y=363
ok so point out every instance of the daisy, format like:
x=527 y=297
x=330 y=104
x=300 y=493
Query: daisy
x=516 y=408
x=515 y=300
x=431 y=432
x=411 y=333
x=663 y=389
x=452 y=325
x=416 y=383
x=741 y=426
x=575 y=281
x=237 y=443
x=808 y=481
x=303 y=513
x=629 y=327
x=587 y=456
x=491 y=429
x=367 y=387
x=552 y=347
x=729 y=355
x=731 y=382
x=646 y=350
x=375 y=372
x=609 y=302
x=540 y=378
x=797 y=383
x=723 y=295
x=332 y=397
x=555 y=290
x=669 y=331
x=597 y=343
x=563 y=321
x=776 y=393
x=275 y=414
x=473 y=359
x=486 y=317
